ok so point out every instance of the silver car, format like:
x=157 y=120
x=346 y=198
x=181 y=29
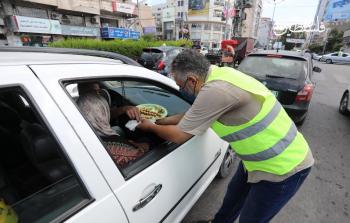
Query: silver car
x=335 y=58
x=344 y=107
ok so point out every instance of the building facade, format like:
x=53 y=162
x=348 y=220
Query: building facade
x=252 y=15
x=264 y=32
x=38 y=22
x=157 y=12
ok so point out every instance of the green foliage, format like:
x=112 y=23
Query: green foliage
x=335 y=40
x=148 y=37
x=316 y=48
x=130 y=48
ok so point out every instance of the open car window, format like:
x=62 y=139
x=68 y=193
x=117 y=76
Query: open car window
x=37 y=181
x=131 y=150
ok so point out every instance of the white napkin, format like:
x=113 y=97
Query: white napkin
x=132 y=124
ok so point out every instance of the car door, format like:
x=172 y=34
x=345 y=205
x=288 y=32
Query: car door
x=166 y=188
x=71 y=186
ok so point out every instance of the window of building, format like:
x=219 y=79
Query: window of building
x=217 y=13
x=180 y=14
x=37 y=181
x=131 y=151
x=217 y=27
x=196 y=26
x=207 y=26
x=180 y=3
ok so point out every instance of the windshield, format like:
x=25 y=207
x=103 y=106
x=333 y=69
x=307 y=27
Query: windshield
x=269 y=67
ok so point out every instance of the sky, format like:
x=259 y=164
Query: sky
x=287 y=11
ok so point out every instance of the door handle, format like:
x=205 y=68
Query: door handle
x=144 y=201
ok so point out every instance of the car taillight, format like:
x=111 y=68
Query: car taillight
x=161 y=65
x=305 y=94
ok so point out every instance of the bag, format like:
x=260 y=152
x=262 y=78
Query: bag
x=123 y=153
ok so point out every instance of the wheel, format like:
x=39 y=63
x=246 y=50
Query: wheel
x=227 y=164
x=301 y=122
x=329 y=61
x=344 y=103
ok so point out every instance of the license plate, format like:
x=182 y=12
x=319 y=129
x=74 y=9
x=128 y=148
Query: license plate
x=275 y=93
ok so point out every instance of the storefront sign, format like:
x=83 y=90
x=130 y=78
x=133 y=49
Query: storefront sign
x=123 y=7
x=80 y=31
x=36 y=25
x=119 y=33
x=149 y=30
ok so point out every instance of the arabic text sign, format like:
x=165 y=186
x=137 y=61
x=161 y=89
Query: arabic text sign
x=119 y=33
x=295 y=40
x=36 y=25
x=280 y=30
x=123 y=7
x=337 y=10
x=80 y=31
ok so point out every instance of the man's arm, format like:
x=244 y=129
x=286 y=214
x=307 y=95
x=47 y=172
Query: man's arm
x=170 y=133
x=172 y=120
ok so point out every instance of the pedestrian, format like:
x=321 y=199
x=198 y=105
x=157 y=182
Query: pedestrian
x=276 y=158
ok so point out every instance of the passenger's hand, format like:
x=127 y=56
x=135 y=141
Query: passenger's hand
x=133 y=113
x=145 y=125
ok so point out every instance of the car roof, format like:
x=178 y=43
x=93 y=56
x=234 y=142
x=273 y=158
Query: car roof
x=99 y=56
x=300 y=55
x=30 y=58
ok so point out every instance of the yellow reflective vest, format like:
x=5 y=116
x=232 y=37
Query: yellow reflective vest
x=269 y=142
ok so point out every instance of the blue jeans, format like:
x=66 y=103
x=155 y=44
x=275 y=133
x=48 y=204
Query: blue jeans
x=257 y=202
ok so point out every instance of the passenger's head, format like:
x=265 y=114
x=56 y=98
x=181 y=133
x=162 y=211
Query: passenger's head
x=190 y=70
x=89 y=88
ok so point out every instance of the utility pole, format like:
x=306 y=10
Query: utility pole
x=273 y=22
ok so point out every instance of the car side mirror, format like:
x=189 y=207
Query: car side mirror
x=317 y=69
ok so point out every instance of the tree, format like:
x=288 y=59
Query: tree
x=335 y=40
x=316 y=48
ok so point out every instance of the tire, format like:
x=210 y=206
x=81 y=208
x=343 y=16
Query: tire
x=344 y=104
x=301 y=122
x=227 y=164
x=329 y=61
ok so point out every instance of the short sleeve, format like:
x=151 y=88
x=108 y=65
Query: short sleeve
x=214 y=100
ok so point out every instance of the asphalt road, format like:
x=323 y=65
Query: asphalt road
x=325 y=195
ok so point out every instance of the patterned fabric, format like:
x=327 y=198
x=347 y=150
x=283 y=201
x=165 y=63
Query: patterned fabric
x=97 y=111
x=123 y=153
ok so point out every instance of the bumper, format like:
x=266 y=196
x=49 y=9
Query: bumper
x=297 y=112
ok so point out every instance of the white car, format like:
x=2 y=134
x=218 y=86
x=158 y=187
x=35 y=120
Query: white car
x=335 y=58
x=53 y=166
x=344 y=107
x=204 y=50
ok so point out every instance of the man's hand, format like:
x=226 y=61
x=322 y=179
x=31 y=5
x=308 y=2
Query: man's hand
x=132 y=112
x=145 y=125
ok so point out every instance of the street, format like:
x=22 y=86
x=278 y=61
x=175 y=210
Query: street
x=325 y=195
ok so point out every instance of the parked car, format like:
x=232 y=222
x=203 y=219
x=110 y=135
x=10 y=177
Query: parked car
x=344 y=107
x=335 y=58
x=53 y=165
x=159 y=58
x=288 y=75
x=204 y=50
x=317 y=57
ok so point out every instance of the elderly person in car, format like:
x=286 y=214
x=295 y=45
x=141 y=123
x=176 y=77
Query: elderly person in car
x=97 y=111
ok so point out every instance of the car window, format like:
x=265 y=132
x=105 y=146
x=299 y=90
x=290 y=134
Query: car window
x=334 y=54
x=37 y=182
x=345 y=55
x=130 y=149
x=284 y=67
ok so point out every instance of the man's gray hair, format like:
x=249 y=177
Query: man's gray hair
x=190 y=62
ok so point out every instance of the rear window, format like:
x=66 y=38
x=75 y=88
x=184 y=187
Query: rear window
x=262 y=67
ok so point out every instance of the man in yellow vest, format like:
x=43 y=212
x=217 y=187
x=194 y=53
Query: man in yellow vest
x=276 y=158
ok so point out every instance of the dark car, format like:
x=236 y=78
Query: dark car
x=159 y=58
x=288 y=75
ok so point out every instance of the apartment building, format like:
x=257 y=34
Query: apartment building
x=38 y=22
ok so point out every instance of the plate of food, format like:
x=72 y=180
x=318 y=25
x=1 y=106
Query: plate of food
x=152 y=111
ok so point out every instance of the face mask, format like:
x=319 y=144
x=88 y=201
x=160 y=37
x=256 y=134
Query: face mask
x=190 y=97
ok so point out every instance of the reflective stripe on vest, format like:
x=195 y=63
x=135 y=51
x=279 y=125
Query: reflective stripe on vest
x=257 y=127
x=275 y=150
